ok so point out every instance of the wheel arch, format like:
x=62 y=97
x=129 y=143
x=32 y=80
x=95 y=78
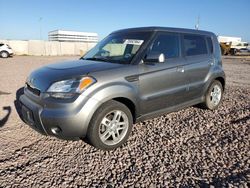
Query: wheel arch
x=129 y=104
x=222 y=81
x=120 y=93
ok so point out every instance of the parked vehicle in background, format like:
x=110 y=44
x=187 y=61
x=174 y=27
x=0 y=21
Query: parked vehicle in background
x=244 y=50
x=225 y=48
x=248 y=48
x=235 y=45
x=131 y=75
x=5 y=50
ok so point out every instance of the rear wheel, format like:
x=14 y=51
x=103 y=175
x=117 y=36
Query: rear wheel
x=213 y=96
x=4 y=54
x=110 y=126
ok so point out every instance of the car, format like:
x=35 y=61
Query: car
x=243 y=50
x=5 y=50
x=130 y=76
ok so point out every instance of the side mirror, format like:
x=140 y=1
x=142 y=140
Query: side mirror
x=155 y=58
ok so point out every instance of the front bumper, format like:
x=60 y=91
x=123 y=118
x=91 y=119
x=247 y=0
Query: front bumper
x=63 y=120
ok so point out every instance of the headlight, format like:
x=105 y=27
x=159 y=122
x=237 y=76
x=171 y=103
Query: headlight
x=69 y=88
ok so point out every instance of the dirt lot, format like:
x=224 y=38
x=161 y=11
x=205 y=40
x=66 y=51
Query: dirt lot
x=186 y=148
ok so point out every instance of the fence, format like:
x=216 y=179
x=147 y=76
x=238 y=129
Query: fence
x=48 y=48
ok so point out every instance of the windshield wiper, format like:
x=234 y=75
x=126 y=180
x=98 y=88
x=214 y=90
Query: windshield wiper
x=96 y=59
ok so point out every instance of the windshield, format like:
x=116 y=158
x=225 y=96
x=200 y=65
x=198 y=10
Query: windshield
x=118 y=47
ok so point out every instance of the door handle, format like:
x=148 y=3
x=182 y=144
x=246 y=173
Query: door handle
x=180 y=69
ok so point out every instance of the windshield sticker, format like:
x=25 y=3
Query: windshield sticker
x=133 y=41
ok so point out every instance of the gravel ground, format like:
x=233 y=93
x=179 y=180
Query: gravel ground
x=191 y=147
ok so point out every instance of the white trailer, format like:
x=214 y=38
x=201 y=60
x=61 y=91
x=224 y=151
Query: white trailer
x=236 y=43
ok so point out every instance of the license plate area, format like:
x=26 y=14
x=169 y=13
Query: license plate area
x=28 y=115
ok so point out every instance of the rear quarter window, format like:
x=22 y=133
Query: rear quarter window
x=194 y=45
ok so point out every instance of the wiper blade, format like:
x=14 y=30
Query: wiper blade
x=97 y=59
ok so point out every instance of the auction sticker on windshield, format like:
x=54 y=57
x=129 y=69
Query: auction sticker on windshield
x=133 y=41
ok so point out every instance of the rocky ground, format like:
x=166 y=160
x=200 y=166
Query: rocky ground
x=188 y=148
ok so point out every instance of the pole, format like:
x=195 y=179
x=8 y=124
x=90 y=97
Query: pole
x=40 y=25
x=198 y=23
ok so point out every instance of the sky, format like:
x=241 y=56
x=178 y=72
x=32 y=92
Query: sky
x=24 y=19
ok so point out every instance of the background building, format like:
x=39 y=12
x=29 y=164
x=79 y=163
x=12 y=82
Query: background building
x=72 y=36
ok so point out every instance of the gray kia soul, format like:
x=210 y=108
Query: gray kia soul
x=131 y=75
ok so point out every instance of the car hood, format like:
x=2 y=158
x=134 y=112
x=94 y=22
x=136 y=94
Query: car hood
x=43 y=77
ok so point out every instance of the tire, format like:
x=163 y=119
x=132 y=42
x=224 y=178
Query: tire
x=213 y=96
x=4 y=54
x=233 y=51
x=105 y=131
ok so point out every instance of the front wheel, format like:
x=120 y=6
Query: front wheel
x=4 y=54
x=110 y=126
x=213 y=96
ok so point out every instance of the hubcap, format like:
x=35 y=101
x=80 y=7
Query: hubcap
x=113 y=127
x=4 y=54
x=215 y=95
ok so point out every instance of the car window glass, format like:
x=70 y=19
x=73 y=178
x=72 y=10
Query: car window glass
x=118 y=47
x=1 y=45
x=168 y=44
x=194 y=45
x=210 y=45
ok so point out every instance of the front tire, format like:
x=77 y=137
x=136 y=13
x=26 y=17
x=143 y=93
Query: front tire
x=213 y=96
x=110 y=126
x=4 y=54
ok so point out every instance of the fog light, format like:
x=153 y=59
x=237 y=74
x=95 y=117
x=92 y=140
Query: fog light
x=56 y=130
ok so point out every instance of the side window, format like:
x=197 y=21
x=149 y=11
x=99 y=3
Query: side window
x=194 y=45
x=1 y=45
x=168 y=44
x=210 y=45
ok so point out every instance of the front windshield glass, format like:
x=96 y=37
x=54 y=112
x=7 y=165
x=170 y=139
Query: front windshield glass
x=118 y=47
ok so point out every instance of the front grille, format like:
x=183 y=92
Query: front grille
x=33 y=90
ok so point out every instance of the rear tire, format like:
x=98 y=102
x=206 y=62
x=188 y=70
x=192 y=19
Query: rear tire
x=213 y=96
x=4 y=54
x=110 y=126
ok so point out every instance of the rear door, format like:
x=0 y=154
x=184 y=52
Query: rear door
x=199 y=59
x=163 y=85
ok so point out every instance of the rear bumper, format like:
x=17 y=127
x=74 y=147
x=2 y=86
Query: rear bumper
x=68 y=122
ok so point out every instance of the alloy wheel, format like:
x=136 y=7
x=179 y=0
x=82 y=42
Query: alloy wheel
x=113 y=127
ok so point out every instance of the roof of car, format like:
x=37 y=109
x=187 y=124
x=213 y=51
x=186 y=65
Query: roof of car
x=169 y=29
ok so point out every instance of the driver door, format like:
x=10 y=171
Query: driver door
x=163 y=85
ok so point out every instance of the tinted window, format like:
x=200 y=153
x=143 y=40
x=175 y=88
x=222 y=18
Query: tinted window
x=194 y=45
x=1 y=45
x=210 y=45
x=168 y=44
